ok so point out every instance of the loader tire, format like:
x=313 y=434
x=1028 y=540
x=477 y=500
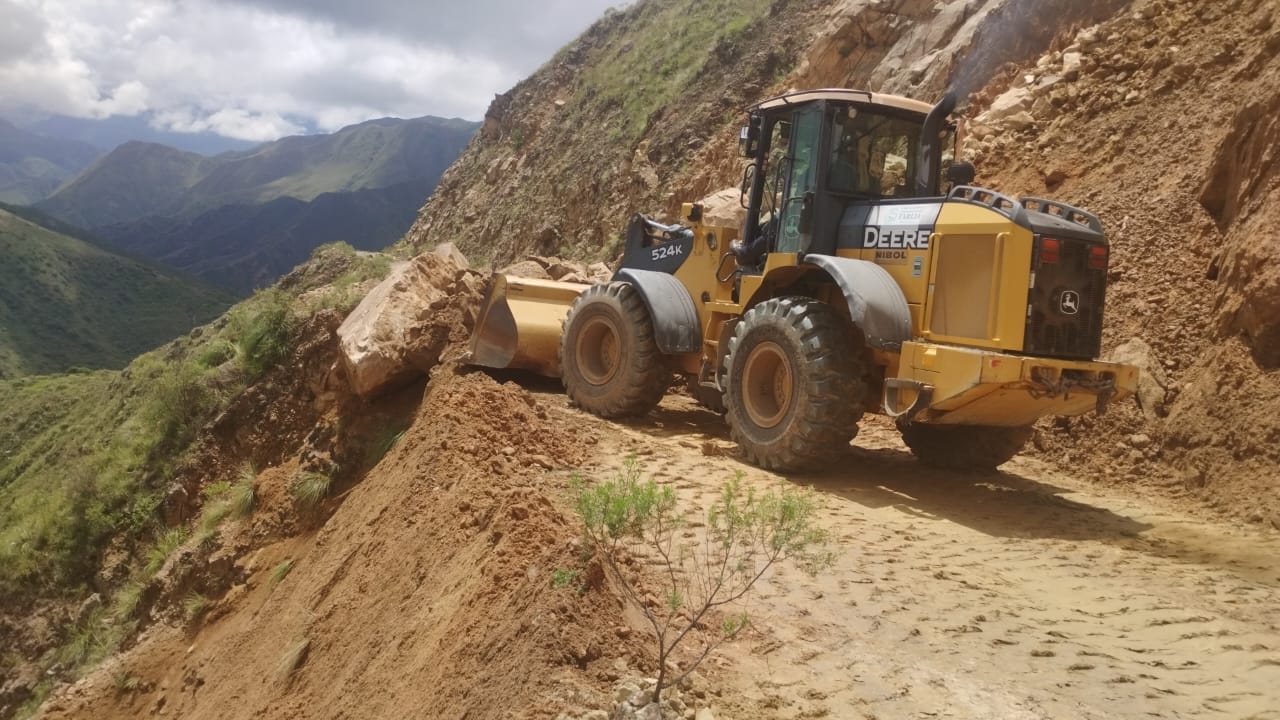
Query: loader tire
x=793 y=384
x=964 y=447
x=610 y=362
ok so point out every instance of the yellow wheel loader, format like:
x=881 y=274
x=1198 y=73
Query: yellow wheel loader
x=865 y=278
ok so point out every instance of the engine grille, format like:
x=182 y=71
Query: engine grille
x=1064 y=307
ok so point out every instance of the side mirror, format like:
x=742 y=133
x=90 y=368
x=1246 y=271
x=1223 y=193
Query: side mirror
x=961 y=172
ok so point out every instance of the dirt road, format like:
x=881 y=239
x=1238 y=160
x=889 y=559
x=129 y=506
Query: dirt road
x=1023 y=594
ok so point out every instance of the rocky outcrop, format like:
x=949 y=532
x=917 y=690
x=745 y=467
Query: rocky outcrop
x=1242 y=192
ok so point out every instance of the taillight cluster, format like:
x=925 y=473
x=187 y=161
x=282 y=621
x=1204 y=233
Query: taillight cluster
x=1098 y=257
x=1051 y=252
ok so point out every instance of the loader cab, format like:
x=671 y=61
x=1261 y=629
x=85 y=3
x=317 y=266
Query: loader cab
x=817 y=154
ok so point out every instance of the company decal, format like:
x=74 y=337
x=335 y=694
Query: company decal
x=1069 y=302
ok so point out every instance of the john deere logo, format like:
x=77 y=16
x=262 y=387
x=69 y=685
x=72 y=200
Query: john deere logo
x=1069 y=303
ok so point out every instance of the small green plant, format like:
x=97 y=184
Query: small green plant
x=382 y=445
x=168 y=541
x=310 y=489
x=244 y=494
x=216 y=490
x=292 y=659
x=561 y=578
x=213 y=515
x=746 y=534
x=195 y=605
x=264 y=329
x=280 y=572
x=124 y=681
x=125 y=602
x=216 y=353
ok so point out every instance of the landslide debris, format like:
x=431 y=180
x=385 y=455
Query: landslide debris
x=1170 y=137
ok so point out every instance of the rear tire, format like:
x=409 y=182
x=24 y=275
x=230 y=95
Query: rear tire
x=964 y=447
x=793 y=384
x=610 y=363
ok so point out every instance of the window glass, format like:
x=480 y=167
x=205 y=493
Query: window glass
x=872 y=155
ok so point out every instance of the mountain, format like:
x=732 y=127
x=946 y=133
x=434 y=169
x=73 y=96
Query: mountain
x=242 y=247
x=138 y=180
x=67 y=302
x=135 y=180
x=651 y=97
x=117 y=130
x=33 y=166
x=242 y=219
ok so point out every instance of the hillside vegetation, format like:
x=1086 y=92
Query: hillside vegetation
x=65 y=302
x=92 y=463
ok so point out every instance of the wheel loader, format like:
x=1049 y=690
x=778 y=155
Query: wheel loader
x=869 y=275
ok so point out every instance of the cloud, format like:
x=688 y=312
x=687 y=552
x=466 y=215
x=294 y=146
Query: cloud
x=258 y=69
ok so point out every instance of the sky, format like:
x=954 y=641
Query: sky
x=257 y=70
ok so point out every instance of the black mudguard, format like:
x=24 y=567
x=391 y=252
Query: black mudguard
x=876 y=303
x=675 y=319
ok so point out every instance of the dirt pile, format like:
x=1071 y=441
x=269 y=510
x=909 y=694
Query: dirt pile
x=429 y=587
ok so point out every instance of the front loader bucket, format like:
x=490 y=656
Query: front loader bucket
x=521 y=322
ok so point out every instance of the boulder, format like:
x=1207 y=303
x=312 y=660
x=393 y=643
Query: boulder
x=451 y=252
x=723 y=208
x=527 y=269
x=1153 y=384
x=402 y=326
x=1012 y=102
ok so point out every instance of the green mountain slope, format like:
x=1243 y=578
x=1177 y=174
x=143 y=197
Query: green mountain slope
x=137 y=181
x=65 y=302
x=33 y=166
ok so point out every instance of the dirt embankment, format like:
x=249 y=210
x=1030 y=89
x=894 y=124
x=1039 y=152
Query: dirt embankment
x=428 y=588
x=1167 y=135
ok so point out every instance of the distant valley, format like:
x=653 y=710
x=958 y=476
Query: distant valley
x=66 y=302
x=241 y=219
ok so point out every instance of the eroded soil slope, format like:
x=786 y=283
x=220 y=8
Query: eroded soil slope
x=429 y=588
x=1166 y=134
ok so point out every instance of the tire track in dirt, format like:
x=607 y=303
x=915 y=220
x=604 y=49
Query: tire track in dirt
x=1021 y=594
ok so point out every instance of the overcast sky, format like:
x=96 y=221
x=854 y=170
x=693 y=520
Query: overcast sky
x=259 y=69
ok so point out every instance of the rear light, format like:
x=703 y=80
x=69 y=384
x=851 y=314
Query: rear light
x=1098 y=257
x=1050 y=250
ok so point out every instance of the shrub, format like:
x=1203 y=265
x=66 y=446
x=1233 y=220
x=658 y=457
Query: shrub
x=244 y=494
x=310 y=489
x=264 y=330
x=164 y=546
x=746 y=534
x=280 y=572
x=179 y=399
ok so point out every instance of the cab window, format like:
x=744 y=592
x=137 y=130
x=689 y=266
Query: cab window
x=872 y=155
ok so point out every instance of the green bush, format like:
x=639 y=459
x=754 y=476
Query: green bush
x=746 y=533
x=310 y=489
x=264 y=329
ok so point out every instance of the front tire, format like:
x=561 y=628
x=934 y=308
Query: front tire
x=964 y=447
x=793 y=384
x=610 y=363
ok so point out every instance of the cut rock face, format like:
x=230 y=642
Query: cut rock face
x=401 y=329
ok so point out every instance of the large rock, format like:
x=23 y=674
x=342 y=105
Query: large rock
x=402 y=327
x=1153 y=384
x=723 y=208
